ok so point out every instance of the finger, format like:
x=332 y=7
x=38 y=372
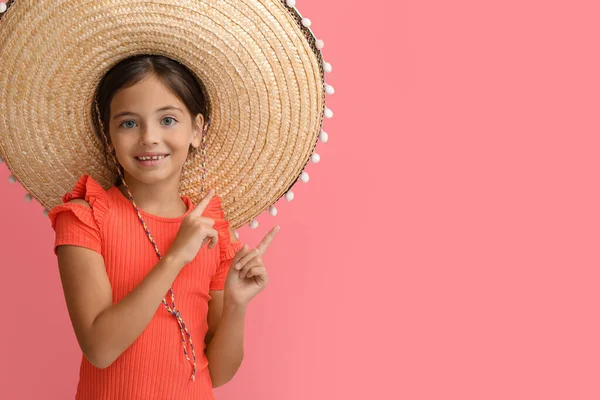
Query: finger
x=206 y=221
x=264 y=244
x=250 y=267
x=201 y=206
x=207 y=239
x=213 y=236
x=260 y=277
x=246 y=258
x=255 y=262
x=257 y=271
x=239 y=254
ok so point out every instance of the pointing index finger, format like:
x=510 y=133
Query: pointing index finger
x=201 y=206
x=266 y=242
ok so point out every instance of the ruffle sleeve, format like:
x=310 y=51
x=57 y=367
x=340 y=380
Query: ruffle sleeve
x=77 y=224
x=228 y=245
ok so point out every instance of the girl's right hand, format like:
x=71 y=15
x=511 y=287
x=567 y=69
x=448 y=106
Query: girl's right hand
x=194 y=232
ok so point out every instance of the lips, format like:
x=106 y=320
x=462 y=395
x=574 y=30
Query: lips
x=150 y=161
x=151 y=157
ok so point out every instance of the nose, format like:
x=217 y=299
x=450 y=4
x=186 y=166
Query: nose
x=148 y=136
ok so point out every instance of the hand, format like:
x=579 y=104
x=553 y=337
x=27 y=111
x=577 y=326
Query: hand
x=248 y=274
x=194 y=232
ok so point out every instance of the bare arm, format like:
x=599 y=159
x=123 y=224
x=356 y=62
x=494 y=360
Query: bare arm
x=225 y=350
x=225 y=337
x=104 y=331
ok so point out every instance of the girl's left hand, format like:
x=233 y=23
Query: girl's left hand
x=248 y=274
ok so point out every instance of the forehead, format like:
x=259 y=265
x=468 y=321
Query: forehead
x=147 y=95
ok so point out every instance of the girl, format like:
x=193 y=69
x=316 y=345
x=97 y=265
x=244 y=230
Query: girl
x=155 y=282
x=154 y=114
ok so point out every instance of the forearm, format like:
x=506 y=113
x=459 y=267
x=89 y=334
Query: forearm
x=116 y=328
x=225 y=351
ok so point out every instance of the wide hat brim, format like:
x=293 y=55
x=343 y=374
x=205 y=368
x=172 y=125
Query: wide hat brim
x=260 y=67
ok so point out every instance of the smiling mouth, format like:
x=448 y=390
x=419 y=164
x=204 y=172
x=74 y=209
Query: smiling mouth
x=151 y=158
x=150 y=161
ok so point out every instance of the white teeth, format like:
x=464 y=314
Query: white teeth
x=150 y=158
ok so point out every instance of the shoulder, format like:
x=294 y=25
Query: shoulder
x=214 y=208
x=87 y=189
x=228 y=241
x=81 y=202
x=88 y=201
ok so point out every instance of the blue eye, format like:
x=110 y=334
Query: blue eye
x=170 y=118
x=124 y=122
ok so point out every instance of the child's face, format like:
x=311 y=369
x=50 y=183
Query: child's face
x=144 y=129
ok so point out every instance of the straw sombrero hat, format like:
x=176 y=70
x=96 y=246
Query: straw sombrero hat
x=260 y=65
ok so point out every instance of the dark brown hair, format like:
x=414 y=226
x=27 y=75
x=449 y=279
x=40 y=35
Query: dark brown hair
x=130 y=71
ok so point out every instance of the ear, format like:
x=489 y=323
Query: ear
x=198 y=126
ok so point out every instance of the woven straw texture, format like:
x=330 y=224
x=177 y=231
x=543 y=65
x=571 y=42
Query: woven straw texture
x=259 y=66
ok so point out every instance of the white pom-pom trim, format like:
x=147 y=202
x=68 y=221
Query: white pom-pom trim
x=304 y=177
x=273 y=210
x=320 y=44
x=306 y=22
x=329 y=89
x=291 y=3
x=253 y=224
x=289 y=196
x=237 y=234
x=328 y=113
x=12 y=179
x=324 y=137
x=315 y=158
x=3 y=7
x=28 y=197
x=327 y=67
x=1 y=160
x=46 y=211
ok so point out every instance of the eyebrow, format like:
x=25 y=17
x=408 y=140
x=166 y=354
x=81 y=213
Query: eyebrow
x=157 y=111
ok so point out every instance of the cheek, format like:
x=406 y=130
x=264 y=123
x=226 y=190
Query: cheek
x=180 y=143
x=122 y=145
x=117 y=144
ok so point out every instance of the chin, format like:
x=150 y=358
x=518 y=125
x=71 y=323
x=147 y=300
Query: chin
x=152 y=176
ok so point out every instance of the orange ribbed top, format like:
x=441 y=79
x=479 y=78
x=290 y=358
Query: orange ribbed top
x=154 y=366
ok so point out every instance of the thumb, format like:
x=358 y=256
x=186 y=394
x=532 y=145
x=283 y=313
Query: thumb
x=240 y=253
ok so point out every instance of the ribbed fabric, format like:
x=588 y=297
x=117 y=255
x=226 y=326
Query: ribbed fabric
x=154 y=366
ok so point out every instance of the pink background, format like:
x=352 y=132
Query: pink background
x=446 y=247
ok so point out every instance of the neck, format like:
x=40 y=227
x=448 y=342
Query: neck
x=161 y=198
